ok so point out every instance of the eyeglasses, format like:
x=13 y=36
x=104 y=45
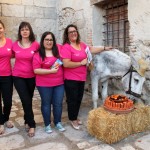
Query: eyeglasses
x=48 y=40
x=72 y=32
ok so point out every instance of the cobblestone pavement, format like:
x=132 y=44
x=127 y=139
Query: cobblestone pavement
x=17 y=139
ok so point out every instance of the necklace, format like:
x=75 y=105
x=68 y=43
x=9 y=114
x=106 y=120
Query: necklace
x=76 y=46
x=24 y=44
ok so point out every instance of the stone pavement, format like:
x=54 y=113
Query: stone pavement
x=17 y=139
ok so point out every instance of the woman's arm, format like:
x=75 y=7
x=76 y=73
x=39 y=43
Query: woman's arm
x=70 y=64
x=95 y=50
x=45 y=71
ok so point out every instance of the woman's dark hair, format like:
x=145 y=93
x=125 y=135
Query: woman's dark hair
x=26 y=24
x=65 y=35
x=2 y=24
x=55 y=51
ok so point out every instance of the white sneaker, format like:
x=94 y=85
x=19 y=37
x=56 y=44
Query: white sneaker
x=48 y=129
x=60 y=127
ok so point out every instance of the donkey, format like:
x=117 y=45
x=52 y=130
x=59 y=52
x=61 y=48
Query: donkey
x=111 y=64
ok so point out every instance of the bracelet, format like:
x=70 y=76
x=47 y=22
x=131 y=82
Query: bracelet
x=104 y=47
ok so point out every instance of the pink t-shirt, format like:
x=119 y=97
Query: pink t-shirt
x=47 y=80
x=78 y=73
x=5 y=56
x=23 y=60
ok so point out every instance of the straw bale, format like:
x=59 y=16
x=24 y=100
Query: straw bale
x=147 y=109
x=111 y=128
x=139 y=119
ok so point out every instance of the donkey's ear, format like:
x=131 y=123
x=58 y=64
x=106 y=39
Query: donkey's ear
x=143 y=66
x=134 y=60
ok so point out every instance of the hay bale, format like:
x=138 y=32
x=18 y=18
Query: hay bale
x=111 y=128
x=139 y=118
x=147 y=111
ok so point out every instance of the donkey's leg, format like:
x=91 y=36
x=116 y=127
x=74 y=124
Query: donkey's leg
x=94 y=84
x=104 y=90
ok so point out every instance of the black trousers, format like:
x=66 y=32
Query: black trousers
x=6 y=89
x=74 y=93
x=25 y=88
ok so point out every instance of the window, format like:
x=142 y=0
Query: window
x=116 y=26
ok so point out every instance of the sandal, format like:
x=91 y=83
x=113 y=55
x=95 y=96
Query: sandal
x=27 y=127
x=31 y=132
x=2 y=129
x=79 y=122
x=9 y=124
x=75 y=125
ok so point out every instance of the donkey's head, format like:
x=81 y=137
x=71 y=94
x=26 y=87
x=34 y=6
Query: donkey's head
x=134 y=78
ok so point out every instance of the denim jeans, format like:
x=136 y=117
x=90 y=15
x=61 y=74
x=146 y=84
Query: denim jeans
x=6 y=89
x=51 y=96
x=25 y=88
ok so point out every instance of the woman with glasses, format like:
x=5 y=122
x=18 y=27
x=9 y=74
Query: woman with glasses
x=49 y=80
x=75 y=70
x=6 y=84
x=23 y=75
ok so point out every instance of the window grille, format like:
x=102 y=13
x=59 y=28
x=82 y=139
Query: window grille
x=116 y=26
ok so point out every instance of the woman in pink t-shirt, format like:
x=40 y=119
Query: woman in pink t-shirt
x=6 y=84
x=74 y=57
x=49 y=80
x=23 y=75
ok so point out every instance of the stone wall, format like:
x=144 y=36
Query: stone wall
x=72 y=11
x=52 y=15
x=41 y=15
x=139 y=18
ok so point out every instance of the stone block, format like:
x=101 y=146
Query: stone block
x=48 y=146
x=12 y=142
x=79 y=136
x=45 y=3
x=9 y=131
x=103 y=147
x=13 y=10
x=27 y=2
x=83 y=145
x=20 y=121
x=93 y=2
x=50 y=13
x=13 y=114
x=127 y=147
x=143 y=142
x=11 y=2
x=34 y=12
x=42 y=25
x=80 y=24
x=11 y=26
x=0 y=10
x=79 y=14
x=38 y=118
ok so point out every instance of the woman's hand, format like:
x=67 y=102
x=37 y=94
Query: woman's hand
x=54 y=69
x=84 y=62
x=107 y=48
x=99 y=49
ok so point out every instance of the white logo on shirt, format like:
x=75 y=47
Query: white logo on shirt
x=32 y=52
x=48 y=62
x=76 y=54
x=8 y=49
